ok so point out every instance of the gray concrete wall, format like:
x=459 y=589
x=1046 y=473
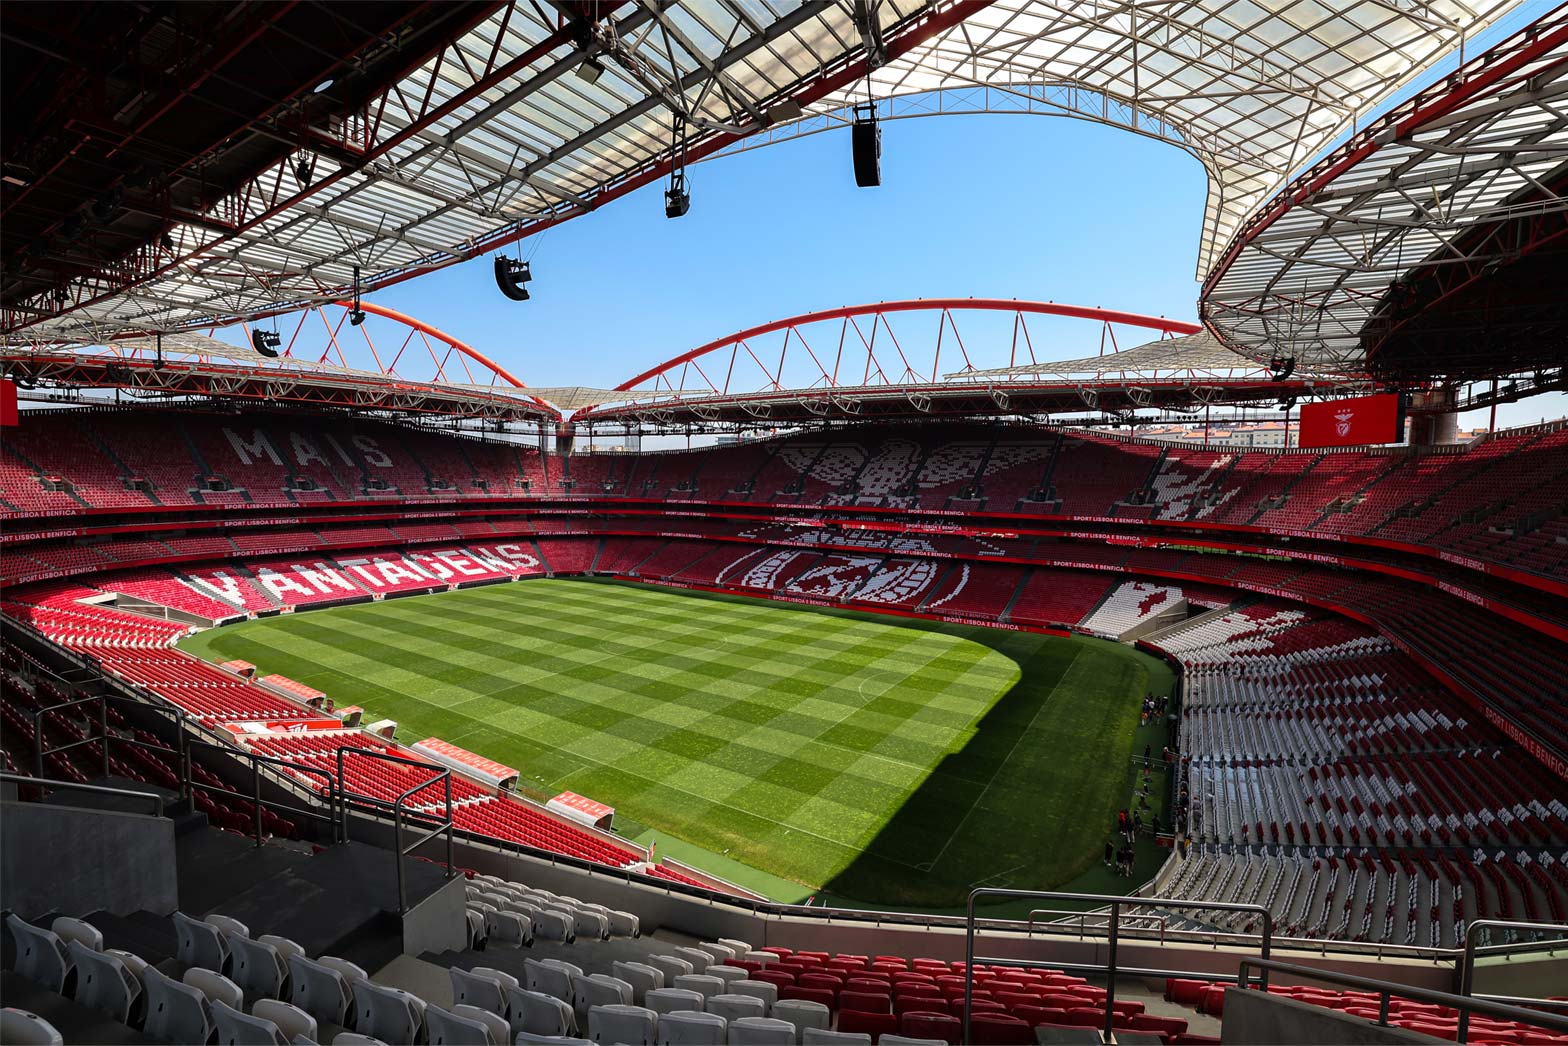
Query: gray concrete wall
x=439 y=923
x=68 y=859
x=1256 y=1018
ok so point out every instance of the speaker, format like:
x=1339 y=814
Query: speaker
x=866 y=138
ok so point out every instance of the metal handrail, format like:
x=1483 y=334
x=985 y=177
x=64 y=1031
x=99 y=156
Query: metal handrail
x=1467 y=964
x=39 y=751
x=257 y=761
x=1385 y=989
x=154 y=801
x=444 y=774
x=1114 y=902
x=1159 y=922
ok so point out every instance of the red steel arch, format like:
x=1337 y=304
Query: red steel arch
x=945 y=305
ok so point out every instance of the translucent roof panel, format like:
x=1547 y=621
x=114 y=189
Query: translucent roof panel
x=1432 y=194
x=508 y=128
x=1255 y=89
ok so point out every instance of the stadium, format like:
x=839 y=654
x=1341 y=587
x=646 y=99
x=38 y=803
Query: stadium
x=927 y=670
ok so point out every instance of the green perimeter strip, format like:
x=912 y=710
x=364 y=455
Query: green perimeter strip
x=1159 y=680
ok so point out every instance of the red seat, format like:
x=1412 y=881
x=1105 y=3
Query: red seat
x=1131 y=1008
x=1212 y=1001
x=1037 y=1015
x=778 y=978
x=829 y=981
x=867 y=984
x=903 y=1004
x=914 y=988
x=873 y=1024
x=931 y=1026
x=1183 y=991
x=822 y=995
x=998 y=1030
x=865 y=1002
x=1194 y=1040
x=1085 y=1017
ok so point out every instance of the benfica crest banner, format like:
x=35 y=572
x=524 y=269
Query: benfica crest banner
x=1352 y=422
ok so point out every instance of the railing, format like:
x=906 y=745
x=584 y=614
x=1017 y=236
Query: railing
x=399 y=812
x=1109 y=968
x=335 y=818
x=39 y=751
x=154 y=802
x=1467 y=964
x=1385 y=990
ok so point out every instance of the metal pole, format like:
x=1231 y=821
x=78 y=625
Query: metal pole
x=38 y=743
x=397 y=855
x=1268 y=938
x=103 y=729
x=1110 y=971
x=449 y=824
x=255 y=784
x=969 y=966
x=342 y=794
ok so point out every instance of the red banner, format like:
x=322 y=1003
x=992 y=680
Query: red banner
x=1353 y=422
x=8 y=412
x=466 y=761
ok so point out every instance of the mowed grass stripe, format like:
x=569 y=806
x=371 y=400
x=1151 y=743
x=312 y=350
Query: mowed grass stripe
x=827 y=747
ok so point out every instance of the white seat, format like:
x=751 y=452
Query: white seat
x=539 y=1013
x=624 y=924
x=739 y=949
x=446 y=1028
x=237 y=1028
x=354 y=1038
x=25 y=1028
x=598 y=989
x=551 y=976
x=591 y=924
x=472 y=988
x=290 y=1019
x=352 y=972
x=495 y=1025
x=390 y=1014
x=761 y=1031
x=672 y=966
x=549 y=1040
x=640 y=976
x=768 y=993
x=553 y=926
x=802 y=1013
x=320 y=991
x=478 y=934
x=617 y=1023
x=701 y=983
x=199 y=943
x=727 y=974
x=720 y=952
x=176 y=1012
x=227 y=926
x=824 y=1037
x=700 y=959
x=257 y=967
x=508 y=929
x=284 y=946
x=668 y=1000
x=40 y=954
x=215 y=986
x=103 y=982
x=731 y=1007
x=691 y=1028
x=68 y=930
x=762 y=958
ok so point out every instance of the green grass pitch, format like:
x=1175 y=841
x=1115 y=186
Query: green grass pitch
x=890 y=761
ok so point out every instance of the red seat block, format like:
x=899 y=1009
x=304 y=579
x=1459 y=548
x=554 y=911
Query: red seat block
x=873 y=1024
x=1162 y=1025
x=779 y=978
x=1085 y=1017
x=931 y=1026
x=865 y=1002
x=1185 y=992
x=997 y=1030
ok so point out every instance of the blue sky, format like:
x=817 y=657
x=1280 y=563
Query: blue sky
x=974 y=206
x=995 y=206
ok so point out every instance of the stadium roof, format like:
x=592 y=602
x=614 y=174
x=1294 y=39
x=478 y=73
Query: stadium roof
x=403 y=138
x=1432 y=244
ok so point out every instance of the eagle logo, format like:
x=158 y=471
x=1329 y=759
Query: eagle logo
x=1342 y=419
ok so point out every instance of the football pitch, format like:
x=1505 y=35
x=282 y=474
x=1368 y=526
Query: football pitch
x=879 y=759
